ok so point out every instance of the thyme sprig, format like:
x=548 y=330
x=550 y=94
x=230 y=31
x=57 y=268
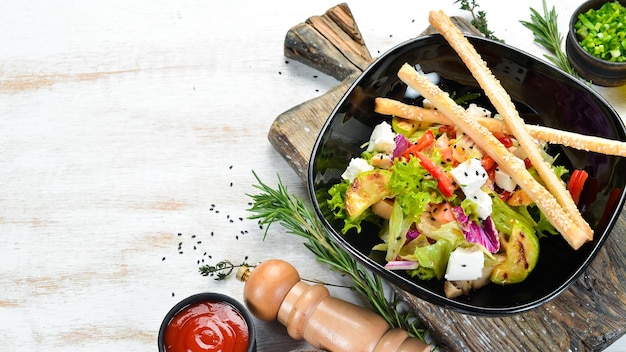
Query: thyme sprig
x=479 y=18
x=278 y=206
x=222 y=269
x=546 y=32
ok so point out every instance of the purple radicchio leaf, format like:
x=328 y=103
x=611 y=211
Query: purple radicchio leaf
x=411 y=235
x=491 y=235
x=474 y=233
x=402 y=143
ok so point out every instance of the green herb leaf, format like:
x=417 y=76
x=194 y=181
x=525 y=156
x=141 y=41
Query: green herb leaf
x=479 y=18
x=546 y=32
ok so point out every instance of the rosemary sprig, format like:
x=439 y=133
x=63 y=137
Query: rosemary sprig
x=479 y=18
x=277 y=205
x=546 y=32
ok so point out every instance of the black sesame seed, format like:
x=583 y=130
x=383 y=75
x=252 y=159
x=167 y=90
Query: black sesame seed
x=162 y=259
x=477 y=173
x=173 y=294
x=179 y=234
x=230 y=167
x=465 y=173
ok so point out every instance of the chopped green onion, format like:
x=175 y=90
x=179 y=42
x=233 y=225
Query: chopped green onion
x=602 y=32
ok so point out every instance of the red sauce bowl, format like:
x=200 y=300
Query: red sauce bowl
x=207 y=322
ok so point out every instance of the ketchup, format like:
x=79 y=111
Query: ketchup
x=207 y=326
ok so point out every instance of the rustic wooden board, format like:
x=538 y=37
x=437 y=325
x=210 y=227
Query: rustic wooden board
x=589 y=316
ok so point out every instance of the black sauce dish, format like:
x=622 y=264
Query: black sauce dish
x=235 y=312
x=544 y=96
x=593 y=69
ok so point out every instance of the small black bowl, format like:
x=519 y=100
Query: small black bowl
x=589 y=67
x=544 y=96
x=208 y=297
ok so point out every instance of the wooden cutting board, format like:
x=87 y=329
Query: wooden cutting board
x=589 y=316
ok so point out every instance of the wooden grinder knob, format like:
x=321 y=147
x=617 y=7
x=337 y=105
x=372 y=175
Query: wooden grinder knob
x=274 y=291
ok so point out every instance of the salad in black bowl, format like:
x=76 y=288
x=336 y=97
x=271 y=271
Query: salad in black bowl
x=422 y=206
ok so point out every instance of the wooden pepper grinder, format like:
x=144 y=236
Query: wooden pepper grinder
x=273 y=290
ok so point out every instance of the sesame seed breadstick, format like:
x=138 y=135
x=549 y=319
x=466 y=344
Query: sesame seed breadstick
x=503 y=104
x=512 y=165
x=386 y=106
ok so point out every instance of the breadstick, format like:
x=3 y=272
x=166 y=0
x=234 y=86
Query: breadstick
x=503 y=104
x=512 y=165
x=386 y=106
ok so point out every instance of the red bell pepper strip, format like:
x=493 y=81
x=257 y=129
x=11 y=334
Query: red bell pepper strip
x=576 y=183
x=487 y=162
x=425 y=141
x=506 y=141
x=444 y=184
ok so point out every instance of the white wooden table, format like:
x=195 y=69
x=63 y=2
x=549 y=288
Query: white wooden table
x=128 y=136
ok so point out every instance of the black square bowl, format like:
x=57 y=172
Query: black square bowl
x=543 y=95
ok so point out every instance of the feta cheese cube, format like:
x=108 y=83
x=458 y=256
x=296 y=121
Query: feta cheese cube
x=355 y=168
x=504 y=181
x=470 y=176
x=382 y=139
x=475 y=110
x=465 y=264
x=484 y=203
